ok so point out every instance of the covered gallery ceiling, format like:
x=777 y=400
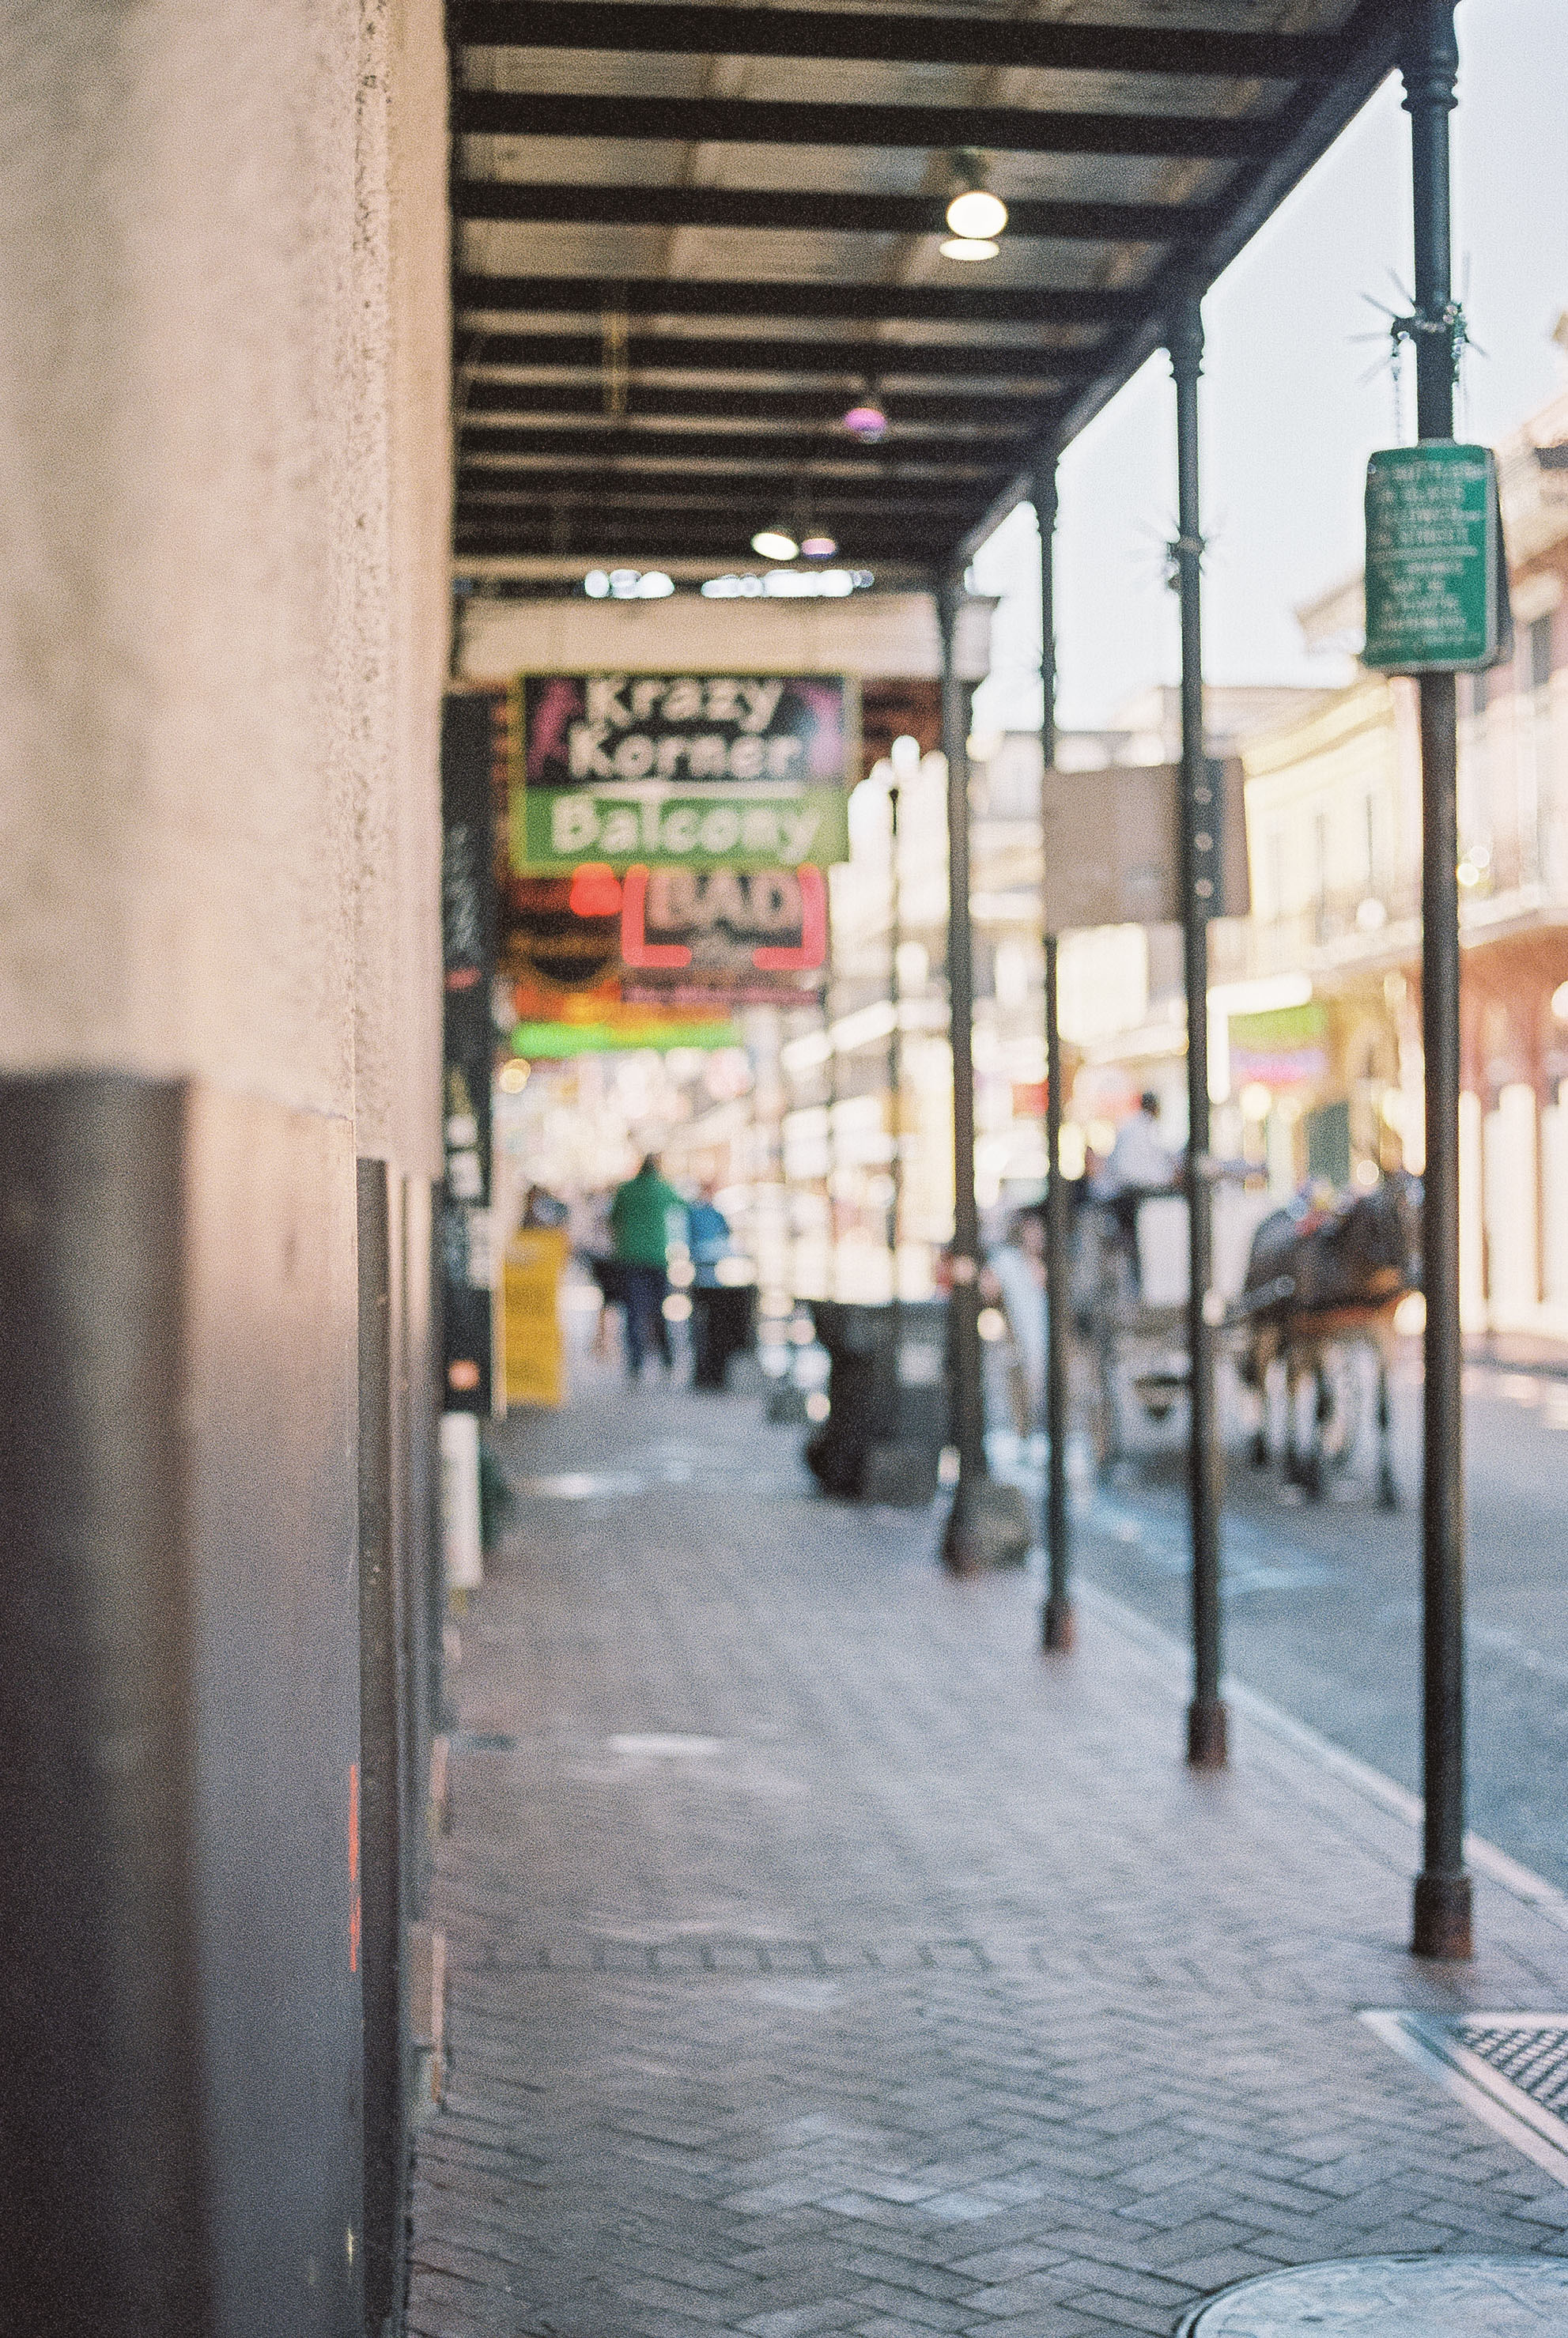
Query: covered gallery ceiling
x=690 y=239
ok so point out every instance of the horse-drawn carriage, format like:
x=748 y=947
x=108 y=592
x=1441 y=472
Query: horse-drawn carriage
x=1300 y=1294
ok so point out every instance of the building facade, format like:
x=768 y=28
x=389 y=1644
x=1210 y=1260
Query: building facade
x=1334 y=821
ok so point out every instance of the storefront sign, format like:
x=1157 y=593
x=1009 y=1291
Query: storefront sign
x=1282 y=1048
x=715 y=938
x=746 y=937
x=709 y=770
x=618 y=1029
x=1112 y=843
x=1436 y=579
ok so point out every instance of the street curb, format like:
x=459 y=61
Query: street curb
x=1520 y=1883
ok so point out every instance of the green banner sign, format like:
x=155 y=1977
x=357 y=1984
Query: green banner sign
x=554 y=1042
x=555 y=828
x=705 y=771
x=1436 y=581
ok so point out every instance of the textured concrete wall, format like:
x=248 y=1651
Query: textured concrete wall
x=222 y=474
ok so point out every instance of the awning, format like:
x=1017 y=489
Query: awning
x=689 y=239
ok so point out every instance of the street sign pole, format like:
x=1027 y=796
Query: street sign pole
x=1206 y=1715
x=1056 y=1615
x=1442 y=1914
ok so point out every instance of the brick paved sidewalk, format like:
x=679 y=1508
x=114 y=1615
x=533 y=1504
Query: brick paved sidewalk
x=822 y=1960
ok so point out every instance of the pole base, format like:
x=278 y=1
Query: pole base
x=988 y=1525
x=1207 y=1736
x=1442 y=1918
x=1058 y=1626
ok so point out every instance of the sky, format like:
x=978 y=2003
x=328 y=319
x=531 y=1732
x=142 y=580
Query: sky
x=1289 y=416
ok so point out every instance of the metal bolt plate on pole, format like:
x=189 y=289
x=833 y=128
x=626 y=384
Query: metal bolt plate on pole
x=1207 y=1748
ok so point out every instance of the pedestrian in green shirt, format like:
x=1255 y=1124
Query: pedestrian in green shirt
x=646 y=1216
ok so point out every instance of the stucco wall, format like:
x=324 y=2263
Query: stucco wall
x=222 y=474
x=872 y=633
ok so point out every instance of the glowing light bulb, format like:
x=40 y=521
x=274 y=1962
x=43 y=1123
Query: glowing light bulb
x=867 y=423
x=773 y=544
x=977 y=215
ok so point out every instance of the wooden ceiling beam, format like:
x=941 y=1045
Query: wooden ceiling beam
x=854 y=303
x=791 y=121
x=750 y=353
x=807 y=211
x=889 y=37
x=647 y=401
x=616 y=443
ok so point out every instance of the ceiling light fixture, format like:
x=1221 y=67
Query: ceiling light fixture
x=866 y=422
x=818 y=548
x=975 y=217
x=773 y=544
x=977 y=214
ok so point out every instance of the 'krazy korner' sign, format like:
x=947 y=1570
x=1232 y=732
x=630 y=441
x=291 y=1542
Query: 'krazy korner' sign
x=710 y=770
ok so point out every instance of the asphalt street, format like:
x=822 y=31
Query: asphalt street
x=1322 y=1600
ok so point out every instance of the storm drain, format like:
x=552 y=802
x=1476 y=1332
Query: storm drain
x=1510 y=2068
x=1394 y=2297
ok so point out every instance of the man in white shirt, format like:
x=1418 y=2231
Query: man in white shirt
x=1139 y=1164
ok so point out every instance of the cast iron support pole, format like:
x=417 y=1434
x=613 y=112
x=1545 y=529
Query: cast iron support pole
x=894 y=1057
x=831 y=1077
x=1442 y=1926
x=1205 y=1718
x=1056 y=1617
x=968 y=1394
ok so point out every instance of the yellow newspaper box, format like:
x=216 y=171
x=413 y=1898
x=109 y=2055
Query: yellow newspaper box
x=536 y=1363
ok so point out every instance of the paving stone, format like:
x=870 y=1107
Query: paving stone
x=931 y=1994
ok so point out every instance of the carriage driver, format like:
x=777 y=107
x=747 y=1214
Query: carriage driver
x=1139 y=1164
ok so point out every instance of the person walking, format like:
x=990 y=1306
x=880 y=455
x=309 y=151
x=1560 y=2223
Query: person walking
x=646 y=1215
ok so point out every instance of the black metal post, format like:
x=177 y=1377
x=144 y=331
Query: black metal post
x=1206 y=1715
x=1441 y=1925
x=968 y=1393
x=988 y=1525
x=380 y=1950
x=894 y=1054
x=1056 y=1622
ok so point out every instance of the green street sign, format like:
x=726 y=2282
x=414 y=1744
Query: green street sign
x=657 y=826
x=1437 y=580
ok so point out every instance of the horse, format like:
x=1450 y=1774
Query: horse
x=1322 y=1278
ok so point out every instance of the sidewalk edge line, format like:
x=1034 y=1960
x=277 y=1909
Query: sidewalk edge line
x=1395 y=2030
x=1520 y=1883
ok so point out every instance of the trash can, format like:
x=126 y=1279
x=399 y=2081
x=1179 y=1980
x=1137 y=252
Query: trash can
x=887 y=1400
x=723 y=1326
